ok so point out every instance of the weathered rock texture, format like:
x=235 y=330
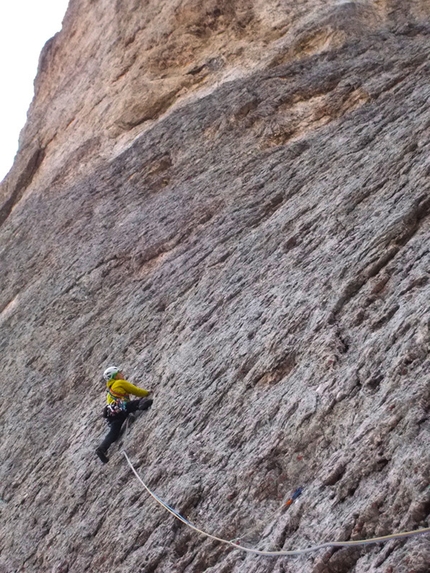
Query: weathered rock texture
x=231 y=200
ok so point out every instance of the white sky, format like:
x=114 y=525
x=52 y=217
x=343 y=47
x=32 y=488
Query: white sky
x=25 y=26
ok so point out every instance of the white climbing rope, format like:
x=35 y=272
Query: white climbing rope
x=401 y=535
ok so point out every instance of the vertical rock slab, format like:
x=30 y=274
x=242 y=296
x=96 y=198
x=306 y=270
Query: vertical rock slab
x=257 y=253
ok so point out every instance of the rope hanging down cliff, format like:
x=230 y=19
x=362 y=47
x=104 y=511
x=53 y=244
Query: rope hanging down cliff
x=178 y=516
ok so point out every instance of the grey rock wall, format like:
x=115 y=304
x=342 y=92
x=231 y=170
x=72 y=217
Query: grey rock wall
x=259 y=258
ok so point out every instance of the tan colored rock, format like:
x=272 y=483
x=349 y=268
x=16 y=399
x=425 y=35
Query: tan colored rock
x=111 y=72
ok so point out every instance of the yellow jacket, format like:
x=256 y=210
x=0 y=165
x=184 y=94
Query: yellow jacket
x=120 y=389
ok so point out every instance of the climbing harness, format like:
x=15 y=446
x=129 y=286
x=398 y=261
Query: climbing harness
x=115 y=408
x=178 y=516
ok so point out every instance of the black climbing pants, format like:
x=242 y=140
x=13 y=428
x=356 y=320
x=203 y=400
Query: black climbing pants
x=116 y=422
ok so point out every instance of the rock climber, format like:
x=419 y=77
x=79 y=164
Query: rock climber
x=119 y=406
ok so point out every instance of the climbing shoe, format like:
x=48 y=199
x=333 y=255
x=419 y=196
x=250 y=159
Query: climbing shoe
x=102 y=454
x=145 y=403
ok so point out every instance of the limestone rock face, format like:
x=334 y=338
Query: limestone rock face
x=231 y=200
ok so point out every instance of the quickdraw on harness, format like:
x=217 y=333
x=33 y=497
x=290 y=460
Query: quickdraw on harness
x=117 y=406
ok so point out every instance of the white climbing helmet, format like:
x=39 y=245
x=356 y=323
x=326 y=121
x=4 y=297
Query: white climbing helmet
x=110 y=372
